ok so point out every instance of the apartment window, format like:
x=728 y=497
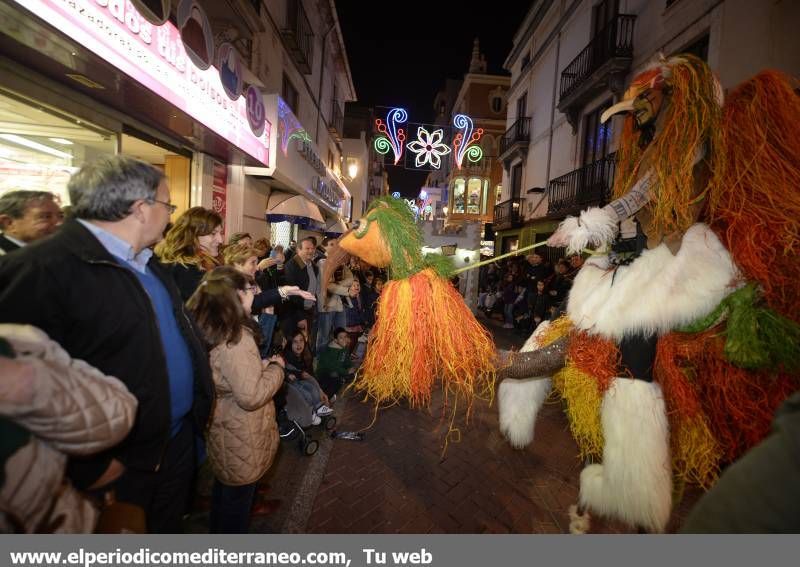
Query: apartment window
x=458 y=195
x=698 y=48
x=474 y=196
x=497 y=104
x=330 y=159
x=596 y=136
x=289 y=94
x=498 y=194
x=516 y=181
x=602 y=14
x=526 y=60
x=522 y=105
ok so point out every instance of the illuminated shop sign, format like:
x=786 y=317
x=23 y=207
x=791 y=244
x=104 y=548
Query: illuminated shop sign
x=307 y=151
x=324 y=189
x=155 y=57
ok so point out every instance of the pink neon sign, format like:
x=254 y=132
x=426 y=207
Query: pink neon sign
x=155 y=56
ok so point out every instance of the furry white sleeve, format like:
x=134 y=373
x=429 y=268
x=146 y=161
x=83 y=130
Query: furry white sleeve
x=594 y=226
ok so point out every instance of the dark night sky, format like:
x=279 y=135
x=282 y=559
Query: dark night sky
x=401 y=53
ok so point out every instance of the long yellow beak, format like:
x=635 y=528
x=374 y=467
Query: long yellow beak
x=622 y=106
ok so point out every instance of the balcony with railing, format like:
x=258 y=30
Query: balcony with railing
x=336 y=123
x=299 y=36
x=515 y=141
x=588 y=186
x=508 y=214
x=602 y=64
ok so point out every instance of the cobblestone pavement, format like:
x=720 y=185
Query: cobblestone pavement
x=401 y=478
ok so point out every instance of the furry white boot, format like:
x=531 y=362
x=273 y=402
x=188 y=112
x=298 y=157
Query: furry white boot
x=579 y=523
x=518 y=405
x=634 y=483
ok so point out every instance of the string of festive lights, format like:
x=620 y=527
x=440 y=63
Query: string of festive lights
x=465 y=142
x=289 y=126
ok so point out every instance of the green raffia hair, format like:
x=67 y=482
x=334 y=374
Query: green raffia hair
x=755 y=336
x=404 y=239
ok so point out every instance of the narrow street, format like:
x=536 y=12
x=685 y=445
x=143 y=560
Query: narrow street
x=399 y=479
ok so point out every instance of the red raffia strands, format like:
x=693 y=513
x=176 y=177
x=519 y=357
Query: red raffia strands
x=755 y=189
x=738 y=405
x=425 y=331
x=594 y=356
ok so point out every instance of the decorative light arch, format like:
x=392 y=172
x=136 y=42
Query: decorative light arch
x=465 y=142
x=393 y=137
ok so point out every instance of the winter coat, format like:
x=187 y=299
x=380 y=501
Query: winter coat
x=243 y=436
x=56 y=406
x=69 y=286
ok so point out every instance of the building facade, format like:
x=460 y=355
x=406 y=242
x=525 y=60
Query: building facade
x=473 y=187
x=572 y=59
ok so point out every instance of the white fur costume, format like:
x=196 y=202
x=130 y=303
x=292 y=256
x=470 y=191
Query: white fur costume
x=657 y=293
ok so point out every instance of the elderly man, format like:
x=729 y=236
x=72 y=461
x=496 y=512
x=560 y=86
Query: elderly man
x=96 y=289
x=25 y=217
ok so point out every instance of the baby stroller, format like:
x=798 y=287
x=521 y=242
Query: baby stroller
x=295 y=419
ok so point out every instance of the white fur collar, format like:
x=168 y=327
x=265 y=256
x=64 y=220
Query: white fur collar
x=658 y=292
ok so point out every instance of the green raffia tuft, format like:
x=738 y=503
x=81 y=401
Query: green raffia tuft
x=401 y=234
x=755 y=336
x=442 y=265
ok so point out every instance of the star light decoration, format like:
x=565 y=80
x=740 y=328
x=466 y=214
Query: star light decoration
x=428 y=148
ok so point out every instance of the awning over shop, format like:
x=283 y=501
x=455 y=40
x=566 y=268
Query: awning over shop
x=295 y=209
x=335 y=227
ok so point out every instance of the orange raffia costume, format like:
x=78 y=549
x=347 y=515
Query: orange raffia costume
x=423 y=330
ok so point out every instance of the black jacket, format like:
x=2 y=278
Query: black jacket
x=297 y=274
x=7 y=246
x=70 y=286
x=187 y=278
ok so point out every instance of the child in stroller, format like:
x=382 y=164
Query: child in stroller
x=304 y=402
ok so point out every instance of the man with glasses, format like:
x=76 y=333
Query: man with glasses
x=25 y=217
x=96 y=289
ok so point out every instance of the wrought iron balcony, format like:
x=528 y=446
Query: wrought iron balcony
x=508 y=214
x=602 y=64
x=335 y=125
x=589 y=186
x=298 y=35
x=515 y=140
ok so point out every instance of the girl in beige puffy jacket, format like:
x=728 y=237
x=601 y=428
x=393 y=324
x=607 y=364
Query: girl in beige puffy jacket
x=243 y=435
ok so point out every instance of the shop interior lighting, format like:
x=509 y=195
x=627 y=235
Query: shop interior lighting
x=61 y=141
x=34 y=145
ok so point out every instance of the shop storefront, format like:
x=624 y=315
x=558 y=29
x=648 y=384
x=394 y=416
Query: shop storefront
x=82 y=79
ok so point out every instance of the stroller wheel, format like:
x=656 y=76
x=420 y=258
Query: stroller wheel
x=310 y=447
x=329 y=422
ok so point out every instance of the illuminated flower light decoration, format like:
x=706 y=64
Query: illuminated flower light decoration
x=470 y=149
x=393 y=137
x=290 y=128
x=428 y=148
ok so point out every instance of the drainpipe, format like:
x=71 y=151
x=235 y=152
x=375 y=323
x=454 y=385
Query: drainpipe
x=553 y=109
x=321 y=74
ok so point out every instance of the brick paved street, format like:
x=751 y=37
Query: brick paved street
x=398 y=480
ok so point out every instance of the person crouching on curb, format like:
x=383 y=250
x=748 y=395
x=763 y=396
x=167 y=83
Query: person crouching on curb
x=243 y=434
x=333 y=364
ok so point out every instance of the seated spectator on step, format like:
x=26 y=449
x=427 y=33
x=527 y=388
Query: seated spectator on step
x=299 y=369
x=191 y=247
x=25 y=217
x=242 y=436
x=41 y=390
x=575 y=262
x=334 y=367
x=540 y=303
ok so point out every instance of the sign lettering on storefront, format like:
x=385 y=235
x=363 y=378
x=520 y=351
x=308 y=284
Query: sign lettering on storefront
x=219 y=193
x=324 y=189
x=307 y=151
x=155 y=57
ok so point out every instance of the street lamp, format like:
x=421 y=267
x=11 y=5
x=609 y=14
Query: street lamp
x=352 y=167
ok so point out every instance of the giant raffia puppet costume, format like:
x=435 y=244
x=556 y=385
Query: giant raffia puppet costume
x=681 y=332
x=423 y=331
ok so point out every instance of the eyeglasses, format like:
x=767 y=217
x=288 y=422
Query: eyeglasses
x=172 y=208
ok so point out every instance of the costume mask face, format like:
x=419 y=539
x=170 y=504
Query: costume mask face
x=366 y=241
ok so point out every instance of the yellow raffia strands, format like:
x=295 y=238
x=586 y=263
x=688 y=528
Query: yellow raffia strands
x=583 y=399
x=695 y=452
x=557 y=329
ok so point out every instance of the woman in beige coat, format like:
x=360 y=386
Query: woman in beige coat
x=243 y=435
